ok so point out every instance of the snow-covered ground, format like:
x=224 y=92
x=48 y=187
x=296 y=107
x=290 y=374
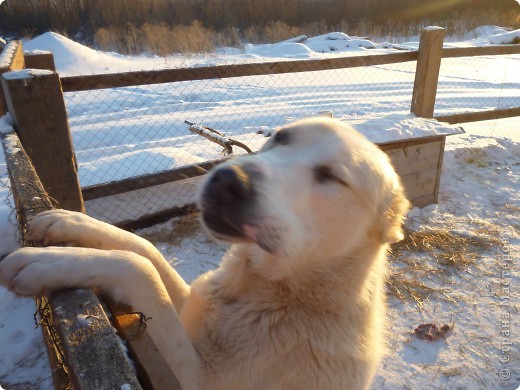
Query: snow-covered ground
x=479 y=195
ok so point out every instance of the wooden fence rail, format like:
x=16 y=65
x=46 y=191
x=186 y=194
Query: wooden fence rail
x=84 y=357
x=115 y=80
x=126 y=79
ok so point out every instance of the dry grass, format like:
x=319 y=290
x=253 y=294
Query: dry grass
x=174 y=231
x=159 y=39
x=446 y=247
x=426 y=259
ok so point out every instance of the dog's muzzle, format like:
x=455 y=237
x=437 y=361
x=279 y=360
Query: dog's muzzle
x=228 y=201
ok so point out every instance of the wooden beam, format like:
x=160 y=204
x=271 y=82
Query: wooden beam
x=419 y=164
x=479 y=116
x=439 y=170
x=86 y=357
x=427 y=71
x=156 y=218
x=136 y=183
x=154 y=371
x=11 y=58
x=40 y=60
x=35 y=100
x=114 y=80
x=452 y=52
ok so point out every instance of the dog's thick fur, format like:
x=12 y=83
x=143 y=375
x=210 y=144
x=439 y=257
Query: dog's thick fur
x=297 y=303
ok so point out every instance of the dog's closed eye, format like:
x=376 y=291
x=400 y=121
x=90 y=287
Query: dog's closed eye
x=324 y=174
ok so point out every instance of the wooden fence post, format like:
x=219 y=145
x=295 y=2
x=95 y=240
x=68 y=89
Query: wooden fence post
x=40 y=60
x=427 y=71
x=12 y=58
x=83 y=355
x=35 y=100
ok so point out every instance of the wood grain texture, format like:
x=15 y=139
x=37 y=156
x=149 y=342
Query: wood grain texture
x=427 y=72
x=83 y=83
x=11 y=58
x=88 y=347
x=479 y=116
x=36 y=103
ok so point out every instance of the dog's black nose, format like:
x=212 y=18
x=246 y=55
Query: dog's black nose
x=229 y=185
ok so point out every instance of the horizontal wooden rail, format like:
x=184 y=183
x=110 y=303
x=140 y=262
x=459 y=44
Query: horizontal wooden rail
x=84 y=357
x=145 y=181
x=115 y=80
x=479 y=116
x=451 y=52
x=126 y=79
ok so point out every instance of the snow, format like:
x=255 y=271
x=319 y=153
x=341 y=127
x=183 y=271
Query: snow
x=398 y=127
x=7 y=55
x=504 y=38
x=11 y=144
x=6 y=123
x=303 y=47
x=25 y=74
x=479 y=192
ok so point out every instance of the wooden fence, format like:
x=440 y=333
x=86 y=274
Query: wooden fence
x=35 y=101
x=422 y=101
x=82 y=357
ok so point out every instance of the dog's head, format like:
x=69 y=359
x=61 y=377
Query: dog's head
x=317 y=187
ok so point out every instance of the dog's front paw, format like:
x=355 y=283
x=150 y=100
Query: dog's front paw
x=59 y=226
x=32 y=271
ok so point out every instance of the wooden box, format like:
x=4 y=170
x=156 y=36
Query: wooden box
x=419 y=163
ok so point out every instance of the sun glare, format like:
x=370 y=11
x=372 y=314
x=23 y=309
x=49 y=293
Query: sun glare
x=419 y=10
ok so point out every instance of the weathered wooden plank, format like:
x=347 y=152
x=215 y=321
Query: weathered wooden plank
x=384 y=146
x=40 y=60
x=427 y=71
x=479 y=116
x=82 y=83
x=93 y=357
x=35 y=100
x=415 y=158
x=159 y=217
x=419 y=164
x=139 y=182
x=439 y=170
x=420 y=183
x=154 y=371
x=11 y=58
x=452 y=52
x=94 y=354
x=423 y=201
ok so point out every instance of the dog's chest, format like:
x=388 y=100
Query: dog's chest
x=256 y=327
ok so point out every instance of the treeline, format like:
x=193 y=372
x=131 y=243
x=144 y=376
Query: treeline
x=101 y=20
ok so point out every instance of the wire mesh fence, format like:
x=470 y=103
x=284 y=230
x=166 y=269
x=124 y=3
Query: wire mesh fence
x=479 y=83
x=125 y=132
x=134 y=131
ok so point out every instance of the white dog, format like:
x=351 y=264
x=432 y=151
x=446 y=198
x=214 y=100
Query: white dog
x=297 y=303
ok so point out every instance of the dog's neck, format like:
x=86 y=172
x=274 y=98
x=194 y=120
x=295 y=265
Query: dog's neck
x=247 y=264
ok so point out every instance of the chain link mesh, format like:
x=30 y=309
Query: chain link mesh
x=127 y=132
x=480 y=83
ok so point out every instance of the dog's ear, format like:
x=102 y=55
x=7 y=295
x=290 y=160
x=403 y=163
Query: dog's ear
x=396 y=205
